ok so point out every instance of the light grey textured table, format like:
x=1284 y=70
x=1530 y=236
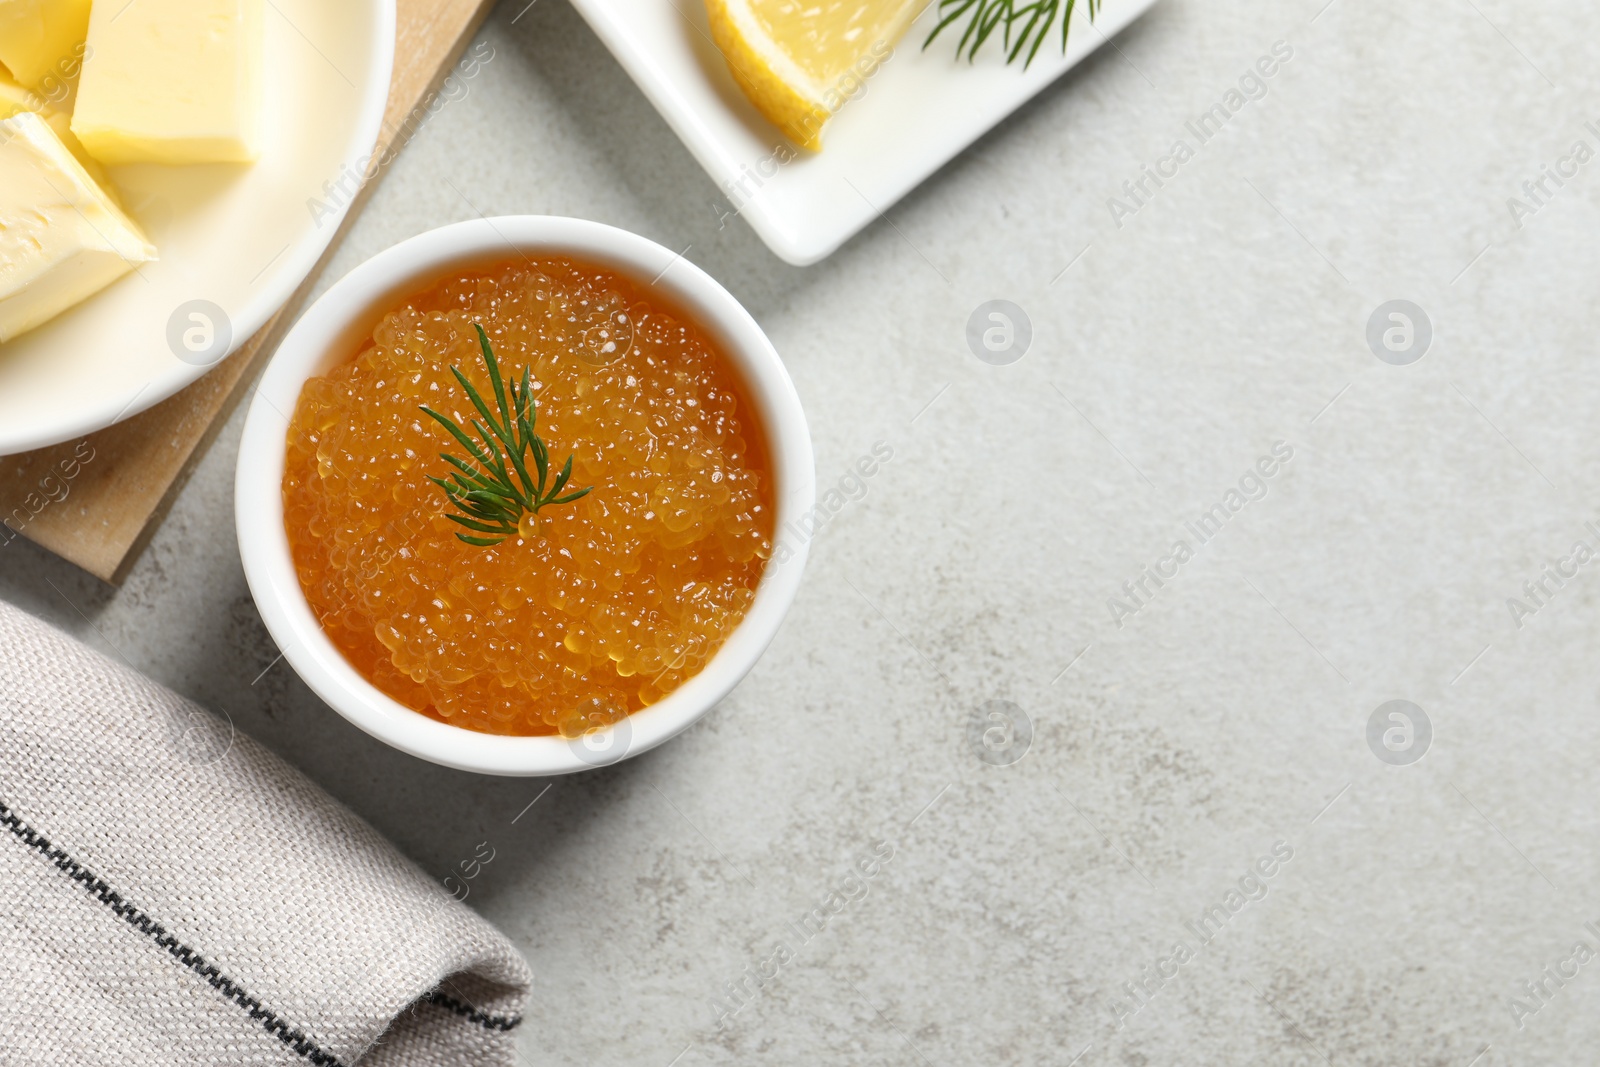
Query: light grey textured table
x=1227 y=716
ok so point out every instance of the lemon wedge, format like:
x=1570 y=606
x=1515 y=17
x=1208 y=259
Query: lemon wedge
x=799 y=61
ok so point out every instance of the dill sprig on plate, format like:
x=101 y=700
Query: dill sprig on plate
x=493 y=489
x=1018 y=22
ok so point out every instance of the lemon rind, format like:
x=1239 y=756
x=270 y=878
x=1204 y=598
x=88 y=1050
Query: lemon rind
x=789 y=97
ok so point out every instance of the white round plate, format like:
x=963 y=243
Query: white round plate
x=238 y=238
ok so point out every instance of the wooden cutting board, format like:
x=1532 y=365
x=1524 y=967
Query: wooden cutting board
x=96 y=501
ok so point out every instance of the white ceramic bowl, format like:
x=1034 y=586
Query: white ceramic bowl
x=332 y=328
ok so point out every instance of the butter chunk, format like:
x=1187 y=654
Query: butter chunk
x=40 y=38
x=62 y=239
x=15 y=99
x=172 y=81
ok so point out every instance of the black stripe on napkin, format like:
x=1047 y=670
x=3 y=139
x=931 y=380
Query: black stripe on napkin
x=468 y=1012
x=185 y=955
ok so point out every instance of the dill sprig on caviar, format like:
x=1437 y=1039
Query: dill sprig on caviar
x=1018 y=22
x=494 y=490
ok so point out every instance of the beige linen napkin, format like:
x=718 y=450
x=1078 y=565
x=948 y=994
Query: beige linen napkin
x=171 y=893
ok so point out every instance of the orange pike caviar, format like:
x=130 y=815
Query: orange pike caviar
x=602 y=606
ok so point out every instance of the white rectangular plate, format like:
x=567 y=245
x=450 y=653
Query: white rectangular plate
x=918 y=112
